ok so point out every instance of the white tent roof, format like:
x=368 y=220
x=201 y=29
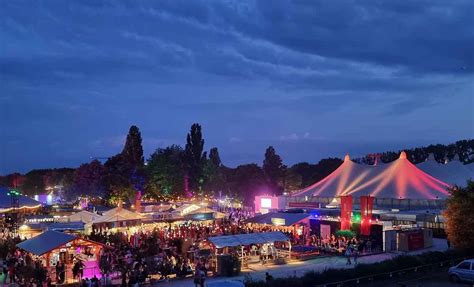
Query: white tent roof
x=247 y=239
x=397 y=179
x=453 y=172
x=83 y=216
x=117 y=214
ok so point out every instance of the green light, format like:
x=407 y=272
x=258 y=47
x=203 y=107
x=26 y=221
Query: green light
x=13 y=193
x=356 y=218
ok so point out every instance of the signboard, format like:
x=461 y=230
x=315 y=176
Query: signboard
x=266 y=203
x=200 y=216
x=278 y=221
x=416 y=240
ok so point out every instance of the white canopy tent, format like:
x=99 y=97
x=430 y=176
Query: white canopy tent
x=453 y=172
x=398 y=179
x=249 y=239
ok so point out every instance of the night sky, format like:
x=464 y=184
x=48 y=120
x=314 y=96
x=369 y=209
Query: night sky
x=312 y=78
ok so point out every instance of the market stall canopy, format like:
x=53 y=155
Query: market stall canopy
x=279 y=218
x=397 y=179
x=83 y=216
x=24 y=201
x=117 y=214
x=247 y=239
x=45 y=242
x=186 y=208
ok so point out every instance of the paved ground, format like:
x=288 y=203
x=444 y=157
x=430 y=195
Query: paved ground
x=299 y=268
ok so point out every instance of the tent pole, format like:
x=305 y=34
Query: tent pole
x=289 y=250
x=242 y=259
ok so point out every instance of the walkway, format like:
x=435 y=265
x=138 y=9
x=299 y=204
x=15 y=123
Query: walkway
x=299 y=268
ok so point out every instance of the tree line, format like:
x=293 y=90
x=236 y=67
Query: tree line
x=176 y=171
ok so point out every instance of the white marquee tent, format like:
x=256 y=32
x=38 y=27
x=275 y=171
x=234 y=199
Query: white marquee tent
x=398 y=179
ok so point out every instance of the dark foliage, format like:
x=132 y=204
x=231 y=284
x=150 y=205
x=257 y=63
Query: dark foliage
x=460 y=216
x=463 y=148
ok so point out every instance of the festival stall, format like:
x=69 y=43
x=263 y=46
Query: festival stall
x=25 y=204
x=115 y=219
x=61 y=250
x=252 y=247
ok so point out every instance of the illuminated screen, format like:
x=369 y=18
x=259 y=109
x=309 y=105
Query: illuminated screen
x=266 y=203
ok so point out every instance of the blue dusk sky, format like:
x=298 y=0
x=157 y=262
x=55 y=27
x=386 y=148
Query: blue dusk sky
x=312 y=78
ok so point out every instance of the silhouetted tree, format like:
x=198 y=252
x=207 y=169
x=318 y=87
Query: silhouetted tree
x=246 y=181
x=124 y=172
x=195 y=157
x=274 y=170
x=133 y=151
x=214 y=157
x=34 y=183
x=88 y=180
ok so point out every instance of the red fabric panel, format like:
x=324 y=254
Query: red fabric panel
x=346 y=212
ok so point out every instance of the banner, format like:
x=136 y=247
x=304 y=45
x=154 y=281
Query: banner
x=366 y=207
x=346 y=212
x=304 y=204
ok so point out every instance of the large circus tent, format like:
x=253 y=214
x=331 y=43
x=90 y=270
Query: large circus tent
x=399 y=179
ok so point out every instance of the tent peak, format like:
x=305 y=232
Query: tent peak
x=347 y=158
x=403 y=155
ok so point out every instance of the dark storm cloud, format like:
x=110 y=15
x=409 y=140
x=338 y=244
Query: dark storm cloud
x=77 y=73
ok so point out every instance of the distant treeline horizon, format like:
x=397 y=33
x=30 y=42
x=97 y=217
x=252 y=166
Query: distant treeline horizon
x=191 y=170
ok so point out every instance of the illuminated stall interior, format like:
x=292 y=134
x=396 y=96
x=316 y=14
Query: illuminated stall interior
x=115 y=219
x=253 y=247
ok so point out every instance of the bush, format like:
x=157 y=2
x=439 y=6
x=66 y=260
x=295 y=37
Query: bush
x=345 y=233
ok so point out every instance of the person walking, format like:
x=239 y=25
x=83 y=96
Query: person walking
x=348 y=256
x=197 y=277
x=202 y=277
x=356 y=255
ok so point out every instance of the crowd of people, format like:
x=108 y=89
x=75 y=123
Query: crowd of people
x=169 y=250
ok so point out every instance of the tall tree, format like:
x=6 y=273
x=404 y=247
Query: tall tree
x=195 y=157
x=88 y=180
x=124 y=171
x=274 y=170
x=460 y=216
x=34 y=182
x=246 y=181
x=214 y=157
x=213 y=173
x=165 y=172
x=133 y=151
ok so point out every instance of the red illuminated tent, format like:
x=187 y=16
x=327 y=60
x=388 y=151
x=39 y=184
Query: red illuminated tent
x=398 y=179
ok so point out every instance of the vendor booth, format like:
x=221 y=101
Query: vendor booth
x=59 y=251
x=253 y=247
